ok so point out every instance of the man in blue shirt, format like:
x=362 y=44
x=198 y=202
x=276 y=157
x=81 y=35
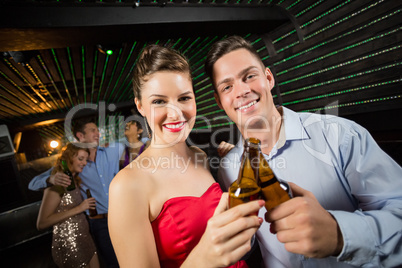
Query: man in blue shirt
x=347 y=205
x=102 y=166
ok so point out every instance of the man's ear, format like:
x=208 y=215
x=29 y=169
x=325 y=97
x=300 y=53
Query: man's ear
x=140 y=131
x=218 y=100
x=139 y=106
x=80 y=136
x=270 y=78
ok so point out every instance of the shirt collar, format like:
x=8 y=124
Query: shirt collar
x=291 y=128
x=282 y=134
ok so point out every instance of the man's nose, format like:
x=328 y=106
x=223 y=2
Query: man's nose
x=241 y=89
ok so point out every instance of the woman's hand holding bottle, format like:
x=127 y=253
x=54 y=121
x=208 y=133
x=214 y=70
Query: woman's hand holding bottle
x=228 y=235
x=89 y=203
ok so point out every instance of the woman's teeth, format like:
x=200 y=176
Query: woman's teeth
x=248 y=105
x=173 y=126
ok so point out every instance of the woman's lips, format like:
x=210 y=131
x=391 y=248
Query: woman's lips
x=174 y=127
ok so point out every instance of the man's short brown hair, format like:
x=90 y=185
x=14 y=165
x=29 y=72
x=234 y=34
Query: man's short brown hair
x=225 y=46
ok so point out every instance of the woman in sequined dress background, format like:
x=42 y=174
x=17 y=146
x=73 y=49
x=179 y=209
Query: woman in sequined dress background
x=72 y=244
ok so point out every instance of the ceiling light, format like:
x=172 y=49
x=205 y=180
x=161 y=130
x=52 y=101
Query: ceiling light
x=54 y=144
x=107 y=49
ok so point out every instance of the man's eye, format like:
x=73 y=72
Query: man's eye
x=225 y=88
x=250 y=76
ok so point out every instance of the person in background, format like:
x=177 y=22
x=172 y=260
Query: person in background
x=103 y=165
x=72 y=244
x=347 y=205
x=133 y=132
x=224 y=148
x=166 y=210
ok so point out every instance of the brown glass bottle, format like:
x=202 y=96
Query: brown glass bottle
x=68 y=172
x=246 y=188
x=92 y=212
x=273 y=191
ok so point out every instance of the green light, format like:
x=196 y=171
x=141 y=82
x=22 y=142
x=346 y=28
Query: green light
x=109 y=52
x=83 y=73
x=340 y=65
x=353 y=103
x=341 y=79
x=371 y=86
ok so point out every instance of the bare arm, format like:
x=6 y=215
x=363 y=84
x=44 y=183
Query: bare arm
x=129 y=226
x=51 y=199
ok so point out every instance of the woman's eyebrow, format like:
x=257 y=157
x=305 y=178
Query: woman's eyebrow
x=157 y=95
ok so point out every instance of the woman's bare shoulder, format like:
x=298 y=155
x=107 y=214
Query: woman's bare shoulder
x=131 y=176
x=60 y=190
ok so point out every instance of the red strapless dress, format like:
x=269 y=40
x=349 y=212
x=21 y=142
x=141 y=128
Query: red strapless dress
x=181 y=223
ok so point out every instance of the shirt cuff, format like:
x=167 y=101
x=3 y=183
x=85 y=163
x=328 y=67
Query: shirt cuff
x=358 y=240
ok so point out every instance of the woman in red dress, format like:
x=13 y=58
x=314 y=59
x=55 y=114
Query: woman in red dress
x=165 y=209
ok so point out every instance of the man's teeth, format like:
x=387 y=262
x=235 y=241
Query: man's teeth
x=248 y=105
x=175 y=125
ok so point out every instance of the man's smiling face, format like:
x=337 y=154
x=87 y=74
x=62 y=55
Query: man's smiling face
x=243 y=88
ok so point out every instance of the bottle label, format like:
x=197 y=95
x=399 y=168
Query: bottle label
x=267 y=183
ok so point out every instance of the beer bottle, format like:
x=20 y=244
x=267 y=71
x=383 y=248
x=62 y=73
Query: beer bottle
x=68 y=172
x=273 y=191
x=246 y=188
x=92 y=211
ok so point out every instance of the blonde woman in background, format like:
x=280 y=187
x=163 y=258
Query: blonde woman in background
x=72 y=244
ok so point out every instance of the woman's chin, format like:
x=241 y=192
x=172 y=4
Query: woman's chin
x=171 y=139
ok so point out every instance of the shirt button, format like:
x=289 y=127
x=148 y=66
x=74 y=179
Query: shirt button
x=100 y=176
x=103 y=184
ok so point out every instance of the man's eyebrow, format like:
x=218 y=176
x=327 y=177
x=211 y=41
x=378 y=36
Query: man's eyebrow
x=226 y=80
x=244 y=71
x=240 y=74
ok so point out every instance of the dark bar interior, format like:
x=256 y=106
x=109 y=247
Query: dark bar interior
x=327 y=57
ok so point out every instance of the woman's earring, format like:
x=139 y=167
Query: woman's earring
x=146 y=126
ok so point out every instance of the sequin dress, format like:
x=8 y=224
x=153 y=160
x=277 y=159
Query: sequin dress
x=72 y=244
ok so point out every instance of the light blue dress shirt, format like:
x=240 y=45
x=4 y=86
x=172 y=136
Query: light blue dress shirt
x=359 y=184
x=95 y=176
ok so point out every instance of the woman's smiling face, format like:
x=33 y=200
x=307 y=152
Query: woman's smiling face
x=79 y=161
x=168 y=103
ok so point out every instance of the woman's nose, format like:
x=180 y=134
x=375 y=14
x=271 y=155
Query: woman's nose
x=174 y=112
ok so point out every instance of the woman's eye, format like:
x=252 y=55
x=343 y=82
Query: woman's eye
x=157 y=102
x=185 y=98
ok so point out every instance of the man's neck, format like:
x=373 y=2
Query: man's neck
x=92 y=154
x=269 y=134
x=132 y=140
